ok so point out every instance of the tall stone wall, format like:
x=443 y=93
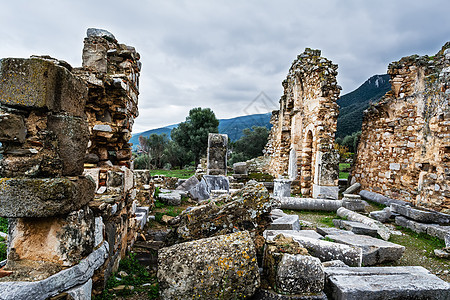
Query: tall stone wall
x=302 y=137
x=404 y=151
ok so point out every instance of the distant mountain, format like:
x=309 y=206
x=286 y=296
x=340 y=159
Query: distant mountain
x=233 y=127
x=354 y=103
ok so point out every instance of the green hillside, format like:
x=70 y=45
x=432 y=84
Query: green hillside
x=353 y=104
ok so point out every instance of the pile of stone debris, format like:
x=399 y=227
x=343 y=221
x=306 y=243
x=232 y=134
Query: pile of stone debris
x=235 y=246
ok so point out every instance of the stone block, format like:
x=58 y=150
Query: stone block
x=81 y=292
x=296 y=203
x=374 y=251
x=324 y=231
x=421 y=216
x=72 y=134
x=281 y=188
x=430 y=229
x=188 y=184
x=270 y=234
x=381 y=215
x=12 y=127
x=382 y=230
x=99 y=231
x=277 y=213
x=38 y=83
x=263 y=294
x=447 y=240
x=395 y=283
x=325 y=192
x=298 y=274
x=289 y=222
x=36 y=197
x=172 y=198
x=380 y=199
x=441 y=253
x=128 y=179
x=60 y=240
x=216 y=182
x=240 y=168
x=57 y=283
x=353 y=188
x=217 y=154
x=94 y=173
x=356 y=227
x=199 y=191
x=223 y=266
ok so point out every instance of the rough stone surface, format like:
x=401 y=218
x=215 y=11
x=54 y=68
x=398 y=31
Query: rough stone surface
x=247 y=209
x=281 y=188
x=295 y=203
x=199 y=191
x=38 y=83
x=262 y=294
x=270 y=234
x=403 y=151
x=421 y=216
x=331 y=230
x=356 y=227
x=99 y=32
x=374 y=251
x=216 y=182
x=289 y=222
x=381 y=215
x=382 y=230
x=380 y=199
x=223 y=266
x=298 y=274
x=172 y=198
x=447 y=240
x=431 y=229
x=62 y=281
x=240 y=168
x=395 y=283
x=81 y=292
x=302 y=135
x=353 y=188
x=217 y=154
x=43 y=197
x=188 y=184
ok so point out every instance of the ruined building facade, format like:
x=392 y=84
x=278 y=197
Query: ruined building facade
x=68 y=185
x=301 y=142
x=404 y=151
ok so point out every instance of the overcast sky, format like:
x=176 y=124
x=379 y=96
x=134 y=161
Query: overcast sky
x=223 y=54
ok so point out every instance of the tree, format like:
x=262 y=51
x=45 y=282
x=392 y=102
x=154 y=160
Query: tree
x=177 y=156
x=192 y=135
x=153 y=147
x=250 y=145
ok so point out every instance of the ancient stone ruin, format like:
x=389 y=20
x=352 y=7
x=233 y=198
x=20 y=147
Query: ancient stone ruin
x=302 y=137
x=55 y=122
x=404 y=151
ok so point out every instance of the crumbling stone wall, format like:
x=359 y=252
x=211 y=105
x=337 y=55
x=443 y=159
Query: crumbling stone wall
x=302 y=137
x=404 y=151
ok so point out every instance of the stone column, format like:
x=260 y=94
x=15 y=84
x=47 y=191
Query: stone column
x=217 y=154
x=326 y=175
x=44 y=136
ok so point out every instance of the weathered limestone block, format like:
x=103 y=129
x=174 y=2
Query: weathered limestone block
x=39 y=83
x=171 y=198
x=295 y=203
x=374 y=251
x=353 y=202
x=289 y=222
x=216 y=182
x=380 y=199
x=385 y=283
x=60 y=282
x=223 y=266
x=35 y=197
x=60 y=240
x=382 y=230
x=298 y=274
x=325 y=192
x=12 y=127
x=247 y=209
x=270 y=234
x=188 y=184
x=217 y=154
x=421 y=215
x=381 y=215
x=199 y=191
x=240 y=168
x=281 y=188
x=356 y=227
x=332 y=231
x=430 y=229
x=141 y=177
x=327 y=251
x=353 y=188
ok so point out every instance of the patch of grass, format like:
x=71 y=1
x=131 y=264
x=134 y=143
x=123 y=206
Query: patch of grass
x=137 y=276
x=343 y=175
x=4 y=225
x=426 y=240
x=328 y=239
x=2 y=251
x=182 y=174
x=343 y=166
x=168 y=210
x=328 y=221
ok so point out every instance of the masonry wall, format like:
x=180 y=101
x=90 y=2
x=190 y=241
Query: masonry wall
x=404 y=151
x=302 y=137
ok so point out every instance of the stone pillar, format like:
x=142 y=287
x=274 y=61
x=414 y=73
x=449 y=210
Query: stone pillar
x=44 y=136
x=326 y=175
x=217 y=154
x=281 y=188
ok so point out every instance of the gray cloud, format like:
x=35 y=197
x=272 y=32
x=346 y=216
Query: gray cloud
x=222 y=54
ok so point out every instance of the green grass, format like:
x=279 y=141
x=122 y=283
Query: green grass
x=137 y=276
x=2 y=251
x=3 y=225
x=343 y=166
x=260 y=177
x=182 y=174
